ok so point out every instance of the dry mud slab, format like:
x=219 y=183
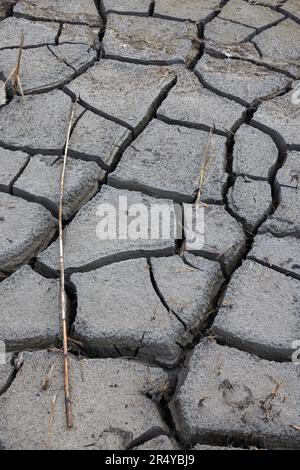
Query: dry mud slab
x=255 y=153
x=35 y=34
x=158 y=164
x=285 y=220
x=161 y=443
x=29 y=311
x=79 y=12
x=138 y=7
x=281 y=254
x=276 y=48
x=12 y=165
x=100 y=387
x=220 y=237
x=244 y=81
x=85 y=247
x=260 y=312
x=193 y=105
x=57 y=65
x=224 y=32
x=189 y=108
x=281 y=114
x=255 y=16
x=182 y=10
x=231 y=393
x=131 y=319
x=130 y=92
x=6 y=373
x=98 y=139
x=27 y=129
x=292 y=7
x=150 y=40
x=40 y=182
x=250 y=201
x=22 y=237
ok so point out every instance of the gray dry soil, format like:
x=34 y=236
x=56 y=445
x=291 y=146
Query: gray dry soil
x=171 y=346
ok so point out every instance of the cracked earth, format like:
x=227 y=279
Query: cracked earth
x=171 y=347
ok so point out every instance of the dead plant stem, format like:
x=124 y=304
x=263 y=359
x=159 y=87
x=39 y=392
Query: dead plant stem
x=69 y=415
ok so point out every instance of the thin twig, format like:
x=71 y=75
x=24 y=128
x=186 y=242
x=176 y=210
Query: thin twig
x=206 y=161
x=69 y=416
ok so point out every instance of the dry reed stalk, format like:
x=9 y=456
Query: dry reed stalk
x=69 y=416
x=206 y=160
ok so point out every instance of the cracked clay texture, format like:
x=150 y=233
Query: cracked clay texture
x=178 y=342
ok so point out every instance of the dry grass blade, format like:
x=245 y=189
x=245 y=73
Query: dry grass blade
x=3 y=94
x=206 y=161
x=294 y=426
x=69 y=416
x=21 y=89
x=10 y=76
x=47 y=380
x=16 y=74
x=51 y=419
